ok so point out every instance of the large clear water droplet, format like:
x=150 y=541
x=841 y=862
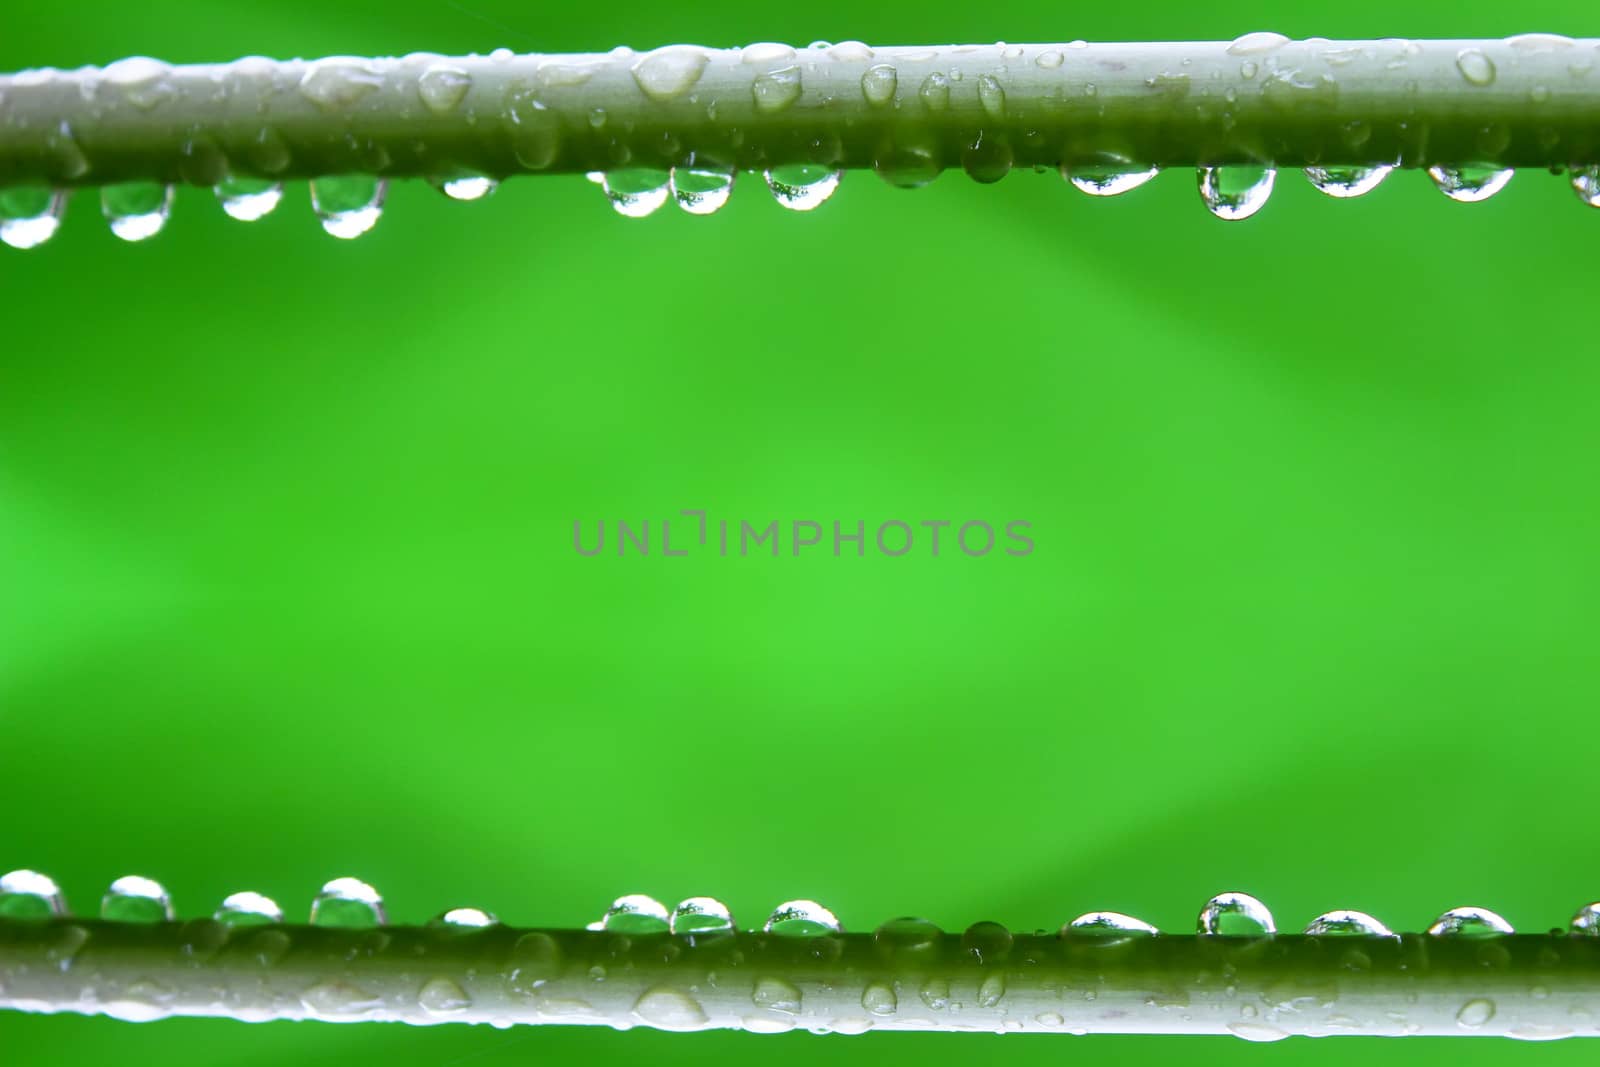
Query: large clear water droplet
x=879 y=999
x=802 y=186
x=1470 y=922
x=1347 y=924
x=249 y=199
x=668 y=73
x=987 y=942
x=30 y=895
x=776 y=89
x=801 y=918
x=137 y=211
x=1474 y=1013
x=1108 y=927
x=1586 y=183
x=988 y=158
x=701 y=915
x=1476 y=67
x=1346 y=182
x=348 y=904
x=135 y=899
x=878 y=84
x=464 y=919
x=1587 y=920
x=635 y=914
x=1236 y=915
x=635 y=194
x=349 y=205
x=701 y=190
x=908 y=163
x=30 y=216
x=1236 y=192
x=467 y=187
x=1107 y=174
x=443 y=87
x=1470 y=184
x=248 y=909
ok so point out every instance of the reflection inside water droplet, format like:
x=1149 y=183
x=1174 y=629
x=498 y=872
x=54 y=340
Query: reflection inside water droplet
x=464 y=919
x=29 y=894
x=1470 y=922
x=1107 y=927
x=1235 y=915
x=1346 y=182
x=1107 y=174
x=248 y=909
x=636 y=193
x=1586 y=183
x=30 y=215
x=699 y=915
x=467 y=187
x=348 y=206
x=801 y=918
x=348 y=903
x=1236 y=192
x=249 y=199
x=1469 y=184
x=1347 y=924
x=701 y=190
x=802 y=186
x=635 y=914
x=137 y=211
x=135 y=899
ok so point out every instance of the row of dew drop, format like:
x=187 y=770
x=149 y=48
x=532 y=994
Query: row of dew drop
x=350 y=903
x=350 y=206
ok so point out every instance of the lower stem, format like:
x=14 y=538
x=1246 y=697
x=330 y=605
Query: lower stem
x=1526 y=986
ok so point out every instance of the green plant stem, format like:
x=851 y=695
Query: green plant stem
x=1528 y=986
x=1526 y=101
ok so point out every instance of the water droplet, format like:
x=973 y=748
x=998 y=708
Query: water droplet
x=991 y=96
x=987 y=942
x=1252 y=44
x=1257 y=1031
x=907 y=163
x=1474 y=1013
x=668 y=72
x=140 y=80
x=802 y=186
x=1108 y=927
x=137 y=211
x=1049 y=59
x=1236 y=192
x=701 y=190
x=464 y=919
x=935 y=993
x=249 y=199
x=248 y=909
x=776 y=89
x=467 y=187
x=992 y=989
x=988 y=159
x=1470 y=922
x=775 y=994
x=1474 y=66
x=348 y=903
x=1469 y=184
x=1347 y=924
x=443 y=87
x=1107 y=174
x=666 y=1008
x=338 y=1000
x=348 y=206
x=1236 y=915
x=29 y=894
x=535 y=959
x=637 y=193
x=907 y=939
x=1049 y=1018
x=878 y=84
x=879 y=999
x=635 y=914
x=935 y=92
x=1345 y=182
x=1585 y=182
x=801 y=918
x=339 y=82
x=443 y=996
x=134 y=899
x=766 y=52
x=766 y=1024
x=30 y=216
x=700 y=915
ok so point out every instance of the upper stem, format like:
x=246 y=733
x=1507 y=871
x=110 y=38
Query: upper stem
x=908 y=111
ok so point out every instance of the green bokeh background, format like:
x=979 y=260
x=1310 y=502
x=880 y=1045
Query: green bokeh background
x=287 y=588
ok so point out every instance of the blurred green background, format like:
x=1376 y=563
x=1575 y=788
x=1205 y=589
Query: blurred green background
x=287 y=588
